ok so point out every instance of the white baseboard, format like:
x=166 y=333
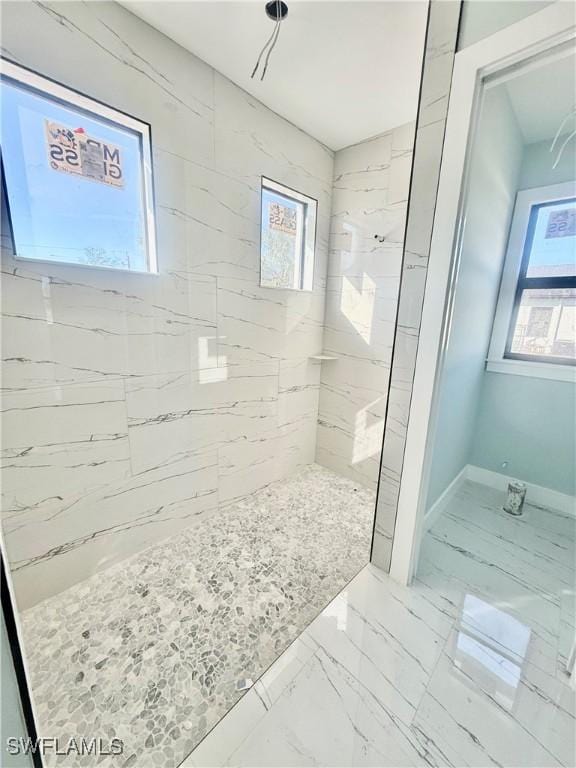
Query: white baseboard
x=535 y=494
x=444 y=499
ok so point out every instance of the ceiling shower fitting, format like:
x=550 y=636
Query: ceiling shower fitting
x=276 y=10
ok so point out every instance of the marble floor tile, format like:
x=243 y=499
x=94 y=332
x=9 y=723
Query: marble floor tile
x=391 y=639
x=152 y=649
x=329 y=716
x=459 y=556
x=490 y=706
x=459 y=669
x=567 y=636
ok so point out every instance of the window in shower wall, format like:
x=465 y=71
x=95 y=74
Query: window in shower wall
x=287 y=237
x=77 y=176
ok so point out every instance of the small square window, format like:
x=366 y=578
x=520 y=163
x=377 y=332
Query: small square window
x=287 y=237
x=77 y=175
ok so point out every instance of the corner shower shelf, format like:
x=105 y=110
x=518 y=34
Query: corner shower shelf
x=320 y=358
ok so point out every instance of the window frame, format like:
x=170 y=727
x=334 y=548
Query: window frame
x=44 y=86
x=307 y=257
x=514 y=280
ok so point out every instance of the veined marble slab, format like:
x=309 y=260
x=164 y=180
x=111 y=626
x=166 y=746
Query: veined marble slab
x=187 y=367
x=441 y=38
x=366 y=236
x=452 y=671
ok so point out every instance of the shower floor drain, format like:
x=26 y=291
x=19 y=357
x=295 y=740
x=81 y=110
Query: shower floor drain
x=244 y=684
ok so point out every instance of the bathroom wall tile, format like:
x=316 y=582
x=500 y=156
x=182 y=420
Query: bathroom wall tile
x=361 y=319
x=213 y=218
x=210 y=371
x=379 y=260
x=122 y=62
x=172 y=325
x=229 y=410
x=44 y=341
x=369 y=198
x=439 y=55
x=246 y=420
x=298 y=397
x=248 y=463
x=333 y=444
x=252 y=142
x=164 y=411
x=436 y=80
x=63 y=415
x=131 y=515
x=252 y=321
x=298 y=444
x=351 y=423
x=298 y=390
x=401 y=164
x=304 y=323
x=370 y=157
x=57 y=444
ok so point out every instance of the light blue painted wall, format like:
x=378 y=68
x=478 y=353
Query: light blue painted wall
x=487 y=418
x=531 y=423
x=11 y=715
x=481 y=18
x=537 y=162
x=495 y=167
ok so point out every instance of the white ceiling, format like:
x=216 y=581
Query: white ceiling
x=541 y=96
x=341 y=71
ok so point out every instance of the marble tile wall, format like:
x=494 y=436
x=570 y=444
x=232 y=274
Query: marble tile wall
x=435 y=90
x=134 y=405
x=370 y=193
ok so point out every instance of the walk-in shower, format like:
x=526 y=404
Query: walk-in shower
x=198 y=312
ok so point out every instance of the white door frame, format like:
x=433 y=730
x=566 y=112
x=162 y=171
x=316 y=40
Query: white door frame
x=531 y=36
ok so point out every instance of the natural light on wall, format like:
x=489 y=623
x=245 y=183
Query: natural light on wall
x=368 y=429
x=357 y=305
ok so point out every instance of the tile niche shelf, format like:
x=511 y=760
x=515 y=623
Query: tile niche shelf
x=322 y=357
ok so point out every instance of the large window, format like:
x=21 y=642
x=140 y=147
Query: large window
x=536 y=316
x=287 y=238
x=77 y=176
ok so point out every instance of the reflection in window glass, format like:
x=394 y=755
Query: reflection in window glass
x=546 y=323
x=74 y=182
x=287 y=237
x=543 y=318
x=553 y=231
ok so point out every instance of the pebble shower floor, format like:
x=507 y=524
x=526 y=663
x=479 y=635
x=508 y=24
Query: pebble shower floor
x=151 y=651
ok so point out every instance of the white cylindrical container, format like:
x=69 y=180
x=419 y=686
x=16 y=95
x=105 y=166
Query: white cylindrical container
x=515 y=498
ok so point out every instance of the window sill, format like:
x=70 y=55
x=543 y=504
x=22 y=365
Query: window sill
x=533 y=370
